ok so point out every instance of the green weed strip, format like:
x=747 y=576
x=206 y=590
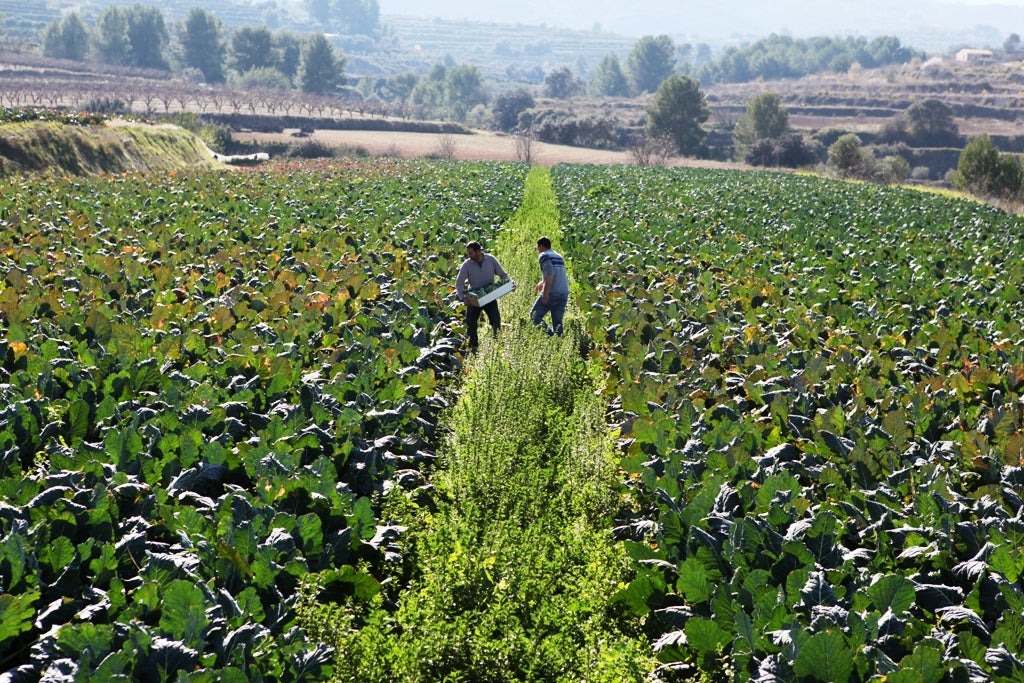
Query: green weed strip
x=207 y=383
x=510 y=573
x=817 y=387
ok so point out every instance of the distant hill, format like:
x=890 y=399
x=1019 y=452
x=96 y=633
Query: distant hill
x=930 y=25
x=406 y=42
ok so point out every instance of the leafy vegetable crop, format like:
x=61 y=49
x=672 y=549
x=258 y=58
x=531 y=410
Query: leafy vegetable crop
x=206 y=381
x=818 y=392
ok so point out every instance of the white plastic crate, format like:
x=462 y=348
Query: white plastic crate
x=494 y=293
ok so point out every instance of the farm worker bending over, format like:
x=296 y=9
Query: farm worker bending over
x=478 y=270
x=553 y=288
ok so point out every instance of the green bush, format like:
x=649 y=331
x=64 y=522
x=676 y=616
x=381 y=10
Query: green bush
x=849 y=159
x=984 y=171
x=217 y=138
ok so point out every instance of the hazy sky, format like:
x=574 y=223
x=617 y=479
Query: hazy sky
x=946 y=21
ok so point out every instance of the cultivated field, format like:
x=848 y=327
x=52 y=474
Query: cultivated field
x=241 y=439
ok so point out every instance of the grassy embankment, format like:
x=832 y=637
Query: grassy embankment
x=61 y=149
x=513 y=574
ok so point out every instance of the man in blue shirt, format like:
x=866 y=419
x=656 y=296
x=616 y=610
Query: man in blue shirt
x=553 y=288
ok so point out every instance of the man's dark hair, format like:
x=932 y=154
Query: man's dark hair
x=544 y=242
x=474 y=245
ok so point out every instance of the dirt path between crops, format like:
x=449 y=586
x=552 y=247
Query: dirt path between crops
x=479 y=146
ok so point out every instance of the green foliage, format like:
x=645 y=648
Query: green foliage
x=506 y=108
x=562 y=83
x=349 y=16
x=263 y=77
x=567 y=127
x=650 y=63
x=361 y=17
x=17 y=115
x=791 y=150
x=322 y=71
x=984 y=171
x=804 y=379
x=451 y=91
x=220 y=139
x=463 y=88
x=930 y=123
x=252 y=47
x=607 y=78
x=67 y=38
x=765 y=119
x=75 y=145
x=677 y=110
x=148 y=37
x=781 y=56
x=514 y=568
x=849 y=158
x=891 y=169
x=203 y=45
x=288 y=47
x=113 y=45
x=207 y=409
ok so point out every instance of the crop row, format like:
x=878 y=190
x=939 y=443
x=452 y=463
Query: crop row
x=207 y=381
x=818 y=391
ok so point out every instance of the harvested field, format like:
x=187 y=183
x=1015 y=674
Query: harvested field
x=480 y=146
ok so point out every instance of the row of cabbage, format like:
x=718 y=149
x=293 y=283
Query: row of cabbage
x=206 y=382
x=818 y=393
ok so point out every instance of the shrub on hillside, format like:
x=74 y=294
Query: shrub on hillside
x=789 y=151
x=567 y=128
x=311 y=149
x=928 y=123
x=263 y=77
x=217 y=138
x=508 y=106
x=847 y=158
x=982 y=170
x=107 y=105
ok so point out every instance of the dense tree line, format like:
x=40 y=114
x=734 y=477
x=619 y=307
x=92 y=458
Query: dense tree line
x=355 y=17
x=139 y=36
x=671 y=75
x=787 y=57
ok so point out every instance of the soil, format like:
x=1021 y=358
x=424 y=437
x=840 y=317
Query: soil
x=480 y=146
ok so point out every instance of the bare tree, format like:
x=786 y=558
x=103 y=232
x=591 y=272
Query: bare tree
x=522 y=145
x=129 y=96
x=725 y=118
x=12 y=95
x=648 y=151
x=149 y=96
x=235 y=99
x=445 y=148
